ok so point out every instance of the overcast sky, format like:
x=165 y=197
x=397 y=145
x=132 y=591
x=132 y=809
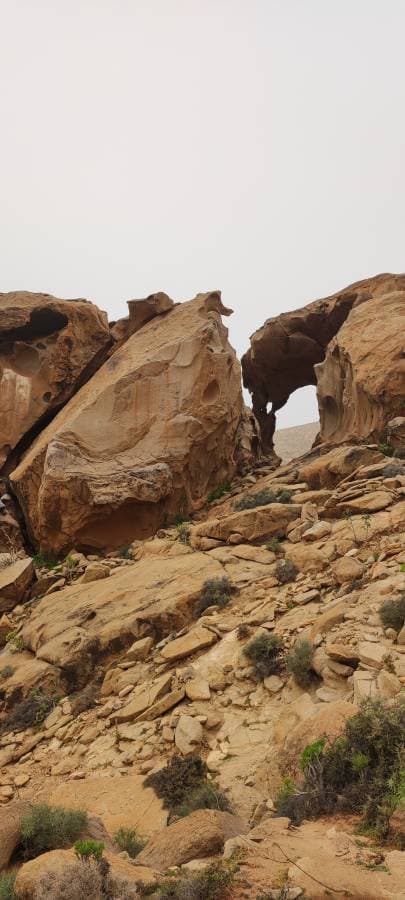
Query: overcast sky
x=256 y=146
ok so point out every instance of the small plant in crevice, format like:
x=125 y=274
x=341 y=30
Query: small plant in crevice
x=16 y=641
x=286 y=571
x=262 y=498
x=129 y=840
x=392 y=613
x=266 y=654
x=274 y=545
x=386 y=448
x=6 y=672
x=243 y=631
x=43 y=561
x=219 y=492
x=214 y=592
x=88 y=849
x=183 y=532
x=125 y=552
x=184 y=787
x=299 y=662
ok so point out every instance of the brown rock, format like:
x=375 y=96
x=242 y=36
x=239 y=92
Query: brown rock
x=197 y=639
x=56 y=861
x=256 y=524
x=361 y=383
x=347 y=568
x=188 y=735
x=285 y=351
x=201 y=834
x=328 y=721
x=14 y=583
x=182 y=377
x=72 y=627
x=10 y=824
x=47 y=347
x=144 y=700
x=118 y=802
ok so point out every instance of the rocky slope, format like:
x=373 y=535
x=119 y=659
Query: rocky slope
x=115 y=661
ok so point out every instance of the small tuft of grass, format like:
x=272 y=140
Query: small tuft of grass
x=392 y=613
x=262 y=498
x=88 y=849
x=183 y=532
x=6 y=672
x=214 y=592
x=129 y=840
x=7 y=885
x=219 y=492
x=266 y=653
x=286 y=571
x=299 y=662
x=211 y=883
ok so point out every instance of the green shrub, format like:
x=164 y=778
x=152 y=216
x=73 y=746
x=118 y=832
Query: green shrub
x=7 y=882
x=7 y=672
x=273 y=545
x=243 y=631
x=219 y=492
x=299 y=662
x=214 y=592
x=392 y=613
x=16 y=640
x=265 y=652
x=125 y=553
x=207 y=796
x=386 y=448
x=30 y=713
x=183 y=786
x=183 y=532
x=88 y=849
x=46 y=827
x=286 y=571
x=361 y=772
x=211 y=883
x=91 y=880
x=128 y=839
x=262 y=498
x=44 y=561
x=177 y=779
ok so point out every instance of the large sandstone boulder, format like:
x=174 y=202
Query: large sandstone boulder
x=14 y=583
x=57 y=861
x=285 y=350
x=147 y=438
x=118 y=802
x=74 y=626
x=202 y=833
x=10 y=827
x=48 y=347
x=361 y=383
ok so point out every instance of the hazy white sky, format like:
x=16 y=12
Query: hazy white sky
x=256 y=146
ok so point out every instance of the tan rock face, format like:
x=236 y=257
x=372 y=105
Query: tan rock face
x=10 y=825
x=47 y=346
x=14 y=583
x=361 y=383
x=203 y=833
x=285 y=351
x=152 y=432
x=73 y=626
x=119 y=802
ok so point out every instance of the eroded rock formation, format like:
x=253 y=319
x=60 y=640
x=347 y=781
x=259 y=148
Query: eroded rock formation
x=285 y=351
x=153 y=431
x=361 y=383
x=47 y=348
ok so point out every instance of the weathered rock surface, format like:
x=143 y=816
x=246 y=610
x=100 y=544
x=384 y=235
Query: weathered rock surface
x=361 y=383
x=202 y=833
x=146 y=438
x=119 y=802
x=48 y=347
x=286 y=349
x=14 y=583
x=10 y=825
x=154 y=596
x=56 y=861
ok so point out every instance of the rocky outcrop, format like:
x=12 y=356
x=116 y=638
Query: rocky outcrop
x=361 y=383
x=48 y=347
x=153 y=431
x=285 y=351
